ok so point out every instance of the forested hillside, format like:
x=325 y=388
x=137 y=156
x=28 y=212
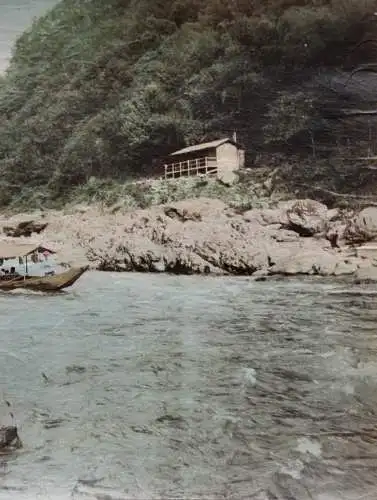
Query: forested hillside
x=107 y=88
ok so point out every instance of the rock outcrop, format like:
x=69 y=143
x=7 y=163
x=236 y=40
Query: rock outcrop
x=24 y=228
x=206 y=236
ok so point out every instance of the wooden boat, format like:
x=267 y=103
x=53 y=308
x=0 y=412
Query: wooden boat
x=44 y=283
x=48 y=283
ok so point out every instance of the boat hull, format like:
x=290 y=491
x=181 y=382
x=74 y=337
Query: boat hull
x=45 y=283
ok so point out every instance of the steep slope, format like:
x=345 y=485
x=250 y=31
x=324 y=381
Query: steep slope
x=106 y=89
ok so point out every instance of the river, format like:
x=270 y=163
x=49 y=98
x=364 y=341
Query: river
x=153 y=386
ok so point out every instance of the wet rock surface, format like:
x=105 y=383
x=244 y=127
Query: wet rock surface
x=206 y=236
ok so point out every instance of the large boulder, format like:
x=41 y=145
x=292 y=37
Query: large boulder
x=311 y=263
x=366 y=274
x=307 y=217
x=267 y=216
x=362 y=227
x=310 y=256
x=195 y=209
x=228 y=178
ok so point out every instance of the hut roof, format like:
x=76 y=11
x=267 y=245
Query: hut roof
x=204 y=145
x=13 y=250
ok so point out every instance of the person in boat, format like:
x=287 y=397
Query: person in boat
x=13 y=272
x=5 y=274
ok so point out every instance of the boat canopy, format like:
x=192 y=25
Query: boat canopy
x=14 y=250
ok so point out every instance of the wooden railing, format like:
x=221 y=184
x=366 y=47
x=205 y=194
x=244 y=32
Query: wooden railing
x=188 y=168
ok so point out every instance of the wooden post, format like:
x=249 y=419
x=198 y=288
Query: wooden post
x=197 y=166
x=206 y=164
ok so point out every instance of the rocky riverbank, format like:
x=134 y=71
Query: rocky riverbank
x=206 y=236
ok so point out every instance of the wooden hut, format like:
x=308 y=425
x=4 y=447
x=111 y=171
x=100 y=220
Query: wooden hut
x=214 y=158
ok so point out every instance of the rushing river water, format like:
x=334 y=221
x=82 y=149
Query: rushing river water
x=152 y=386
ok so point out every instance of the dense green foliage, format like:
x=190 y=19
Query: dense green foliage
x=106 y=88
